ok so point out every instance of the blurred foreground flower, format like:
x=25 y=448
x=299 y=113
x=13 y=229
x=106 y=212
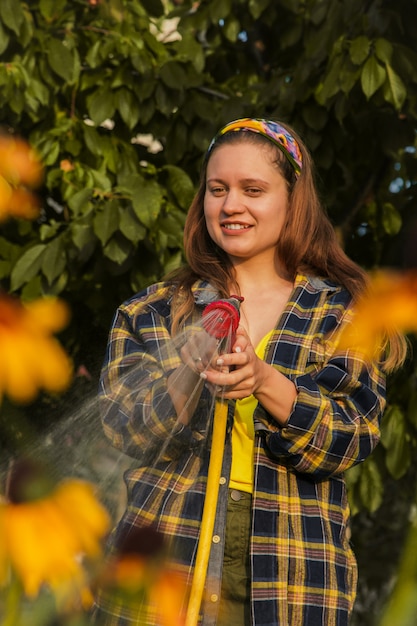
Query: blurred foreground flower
x=20 y=169
x=140 y=581
x=389 y=306
x=46 y=530
x=30 y=357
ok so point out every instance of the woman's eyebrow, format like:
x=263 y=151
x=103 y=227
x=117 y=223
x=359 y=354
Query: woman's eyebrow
x=247 y=181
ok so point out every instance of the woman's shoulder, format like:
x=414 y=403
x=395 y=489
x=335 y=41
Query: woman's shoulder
x=318 y=285
x=156 y=296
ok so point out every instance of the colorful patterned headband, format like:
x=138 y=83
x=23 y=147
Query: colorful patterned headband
x=272 y=131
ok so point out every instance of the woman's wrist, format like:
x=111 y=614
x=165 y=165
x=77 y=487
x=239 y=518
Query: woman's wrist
x=276 y=393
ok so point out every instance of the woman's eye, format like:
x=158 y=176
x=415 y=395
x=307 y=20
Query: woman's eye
x=253 y=191
x=217 y=190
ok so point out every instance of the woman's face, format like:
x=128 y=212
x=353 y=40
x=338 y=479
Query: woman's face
x=245 y=202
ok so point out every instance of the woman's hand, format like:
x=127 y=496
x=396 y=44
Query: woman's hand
x=241 y=373
x=237 y=374
x=200 y=351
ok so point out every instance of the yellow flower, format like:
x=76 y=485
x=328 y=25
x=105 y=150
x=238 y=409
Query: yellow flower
x=390 y=305
x=43 y=540
x=17 y=203
x=141 y=578
x=137 y=582
x=30 y=358
x=19 y=162
x=20 y=168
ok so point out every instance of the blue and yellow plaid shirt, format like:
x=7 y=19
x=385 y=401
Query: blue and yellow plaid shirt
x=303 y=569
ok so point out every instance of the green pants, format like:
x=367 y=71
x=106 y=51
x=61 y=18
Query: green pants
x=235 y=596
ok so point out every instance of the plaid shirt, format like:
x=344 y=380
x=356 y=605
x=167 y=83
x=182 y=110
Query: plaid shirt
x=303 y=569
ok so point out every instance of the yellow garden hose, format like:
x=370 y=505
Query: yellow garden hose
x=209 y=513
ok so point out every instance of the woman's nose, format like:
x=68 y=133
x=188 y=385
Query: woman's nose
x=232 y=202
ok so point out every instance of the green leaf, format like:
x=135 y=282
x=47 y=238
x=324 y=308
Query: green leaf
x=130 y=227
x=157 y=48
x=359 y=49
x=5 y=267
x=106 y=221
x=101 y=105
x=49 y=231
x=172 y=228
x=383 y=50
x=93 y=56
x=93 y=140
x=54 y=260
x=391 y=424
x=62 y=60
x=318 y=12
x=50 y=156
x=190 y=49
x=33 y=289
x=218 y=9
x=394 y=89
x=257 y=7
x=128 y=106
x=39 y=91
x=50 y=9
x=27 y=266
x=353 y=475
x=232 y=28
x=371 y=486
x=4 y=39
x=173 y=262
x=398 y=457
x=394 y=440
x=147 y=203
x=391 y=219
x=331 y=84
x=100 y=179
x=6 y=248
x=372 y=77
x=11 y=14
x=27 y=29
x=82 y=235
x=80 y=200
x=117 y=250
x=173 y=75
x=349 y=77
x=180 y=184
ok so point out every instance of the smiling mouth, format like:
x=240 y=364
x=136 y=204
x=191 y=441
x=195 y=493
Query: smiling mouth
x=235 y=226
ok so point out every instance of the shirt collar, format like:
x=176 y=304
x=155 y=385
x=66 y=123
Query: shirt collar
x=315 y=283
x=204 y=292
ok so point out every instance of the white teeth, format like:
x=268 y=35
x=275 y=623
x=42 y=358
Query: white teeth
x=235 y=226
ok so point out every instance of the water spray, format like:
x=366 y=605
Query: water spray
x=220 y=319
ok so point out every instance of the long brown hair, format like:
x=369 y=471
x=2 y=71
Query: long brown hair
x=308 y=242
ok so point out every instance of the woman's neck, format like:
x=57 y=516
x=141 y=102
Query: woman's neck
x=260 y=277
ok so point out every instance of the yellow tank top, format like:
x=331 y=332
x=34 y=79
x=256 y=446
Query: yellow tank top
x=243 y=435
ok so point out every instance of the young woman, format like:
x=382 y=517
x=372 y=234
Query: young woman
x=300 y=412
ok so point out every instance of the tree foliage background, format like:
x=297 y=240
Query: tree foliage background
x=121 y=98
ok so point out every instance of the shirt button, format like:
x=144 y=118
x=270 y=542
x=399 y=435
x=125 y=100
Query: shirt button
x=216 y=538
x=214 y=597
x=235 y=495
x=222 y=480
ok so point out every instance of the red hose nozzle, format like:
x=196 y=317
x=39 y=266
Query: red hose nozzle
x=221 y=318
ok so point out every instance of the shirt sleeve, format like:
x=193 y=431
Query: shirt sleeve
x=335 y=420
x=137 y=413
